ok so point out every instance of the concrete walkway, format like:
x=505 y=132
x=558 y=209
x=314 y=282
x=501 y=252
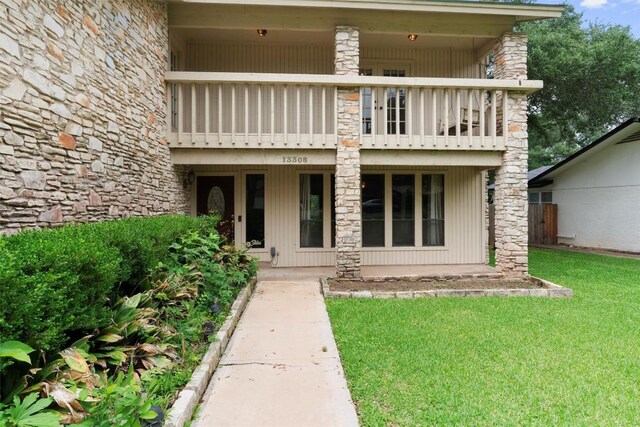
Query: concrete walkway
x=282 y=366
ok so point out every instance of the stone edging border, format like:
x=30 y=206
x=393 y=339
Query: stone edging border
x=183 y=408
x=551 y=291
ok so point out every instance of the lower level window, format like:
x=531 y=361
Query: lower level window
x=311 y=210
x=373 y=210
x=403 y=208
x=432 y=210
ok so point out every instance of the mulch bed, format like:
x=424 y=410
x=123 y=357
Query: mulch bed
x=398 y=285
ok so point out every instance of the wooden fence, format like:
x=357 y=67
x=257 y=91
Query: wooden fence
x=543 y=224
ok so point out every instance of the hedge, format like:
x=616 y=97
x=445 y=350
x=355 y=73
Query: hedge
x=56 y=284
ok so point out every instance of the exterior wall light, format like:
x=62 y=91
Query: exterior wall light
x=262 y=32
x=413 y=37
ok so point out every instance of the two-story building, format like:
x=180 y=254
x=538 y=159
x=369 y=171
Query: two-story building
x=344 y=132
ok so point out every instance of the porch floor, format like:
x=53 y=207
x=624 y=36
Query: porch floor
x=269 y=273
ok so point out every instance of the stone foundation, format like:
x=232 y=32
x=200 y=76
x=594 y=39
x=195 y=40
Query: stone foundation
x=348 y=222
x=82 y=113
x=510 y=197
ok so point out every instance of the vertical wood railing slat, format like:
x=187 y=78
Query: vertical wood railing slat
x=298 y=115
x=446 y=117
x=397 y=116
x=180 y=112
x=207 y=112
x=408 y=113
x=169 y=115
x=458 y=117
x=233 y=114
x=481 y=108
x=324 y=115
x=193 y=112
x=311 y=115
x=470 y=116
x=434 y=116
x=494 y=117
x=219 y=106
x=272 y=124
x=259 y=114
x=246 y=114
x=505 y=116
x=385 y=117
x=374 y=116
x=285 y=123
x=422 y=118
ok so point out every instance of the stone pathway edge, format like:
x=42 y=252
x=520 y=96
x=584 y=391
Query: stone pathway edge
x=551 y=291
x=185 y=405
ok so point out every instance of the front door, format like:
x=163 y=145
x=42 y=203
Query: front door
x=384 y=109
x=215 y=196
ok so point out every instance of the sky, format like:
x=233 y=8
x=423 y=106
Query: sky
x=620 y=12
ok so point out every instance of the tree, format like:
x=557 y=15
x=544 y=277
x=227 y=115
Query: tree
x=591 y=79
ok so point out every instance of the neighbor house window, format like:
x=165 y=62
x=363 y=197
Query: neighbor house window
x=541 y=197
x=403 y=208
x=534 y=198
x=373 y=210
x=311 y=210
x=433 y=210
x=255 y=210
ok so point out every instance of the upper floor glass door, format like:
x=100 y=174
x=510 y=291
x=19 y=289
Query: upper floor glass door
x=384 y=108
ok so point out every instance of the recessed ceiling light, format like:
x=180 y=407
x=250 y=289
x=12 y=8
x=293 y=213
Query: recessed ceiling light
x=262 y=32
x=413 y=37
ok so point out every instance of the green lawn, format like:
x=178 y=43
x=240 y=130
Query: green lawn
x=501 y=361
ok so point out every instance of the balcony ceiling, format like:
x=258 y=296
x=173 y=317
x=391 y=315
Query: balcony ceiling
x=420 y=17
x=217 y=35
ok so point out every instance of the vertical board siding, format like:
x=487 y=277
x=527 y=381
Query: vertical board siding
x=464 y=218
x=319 y=59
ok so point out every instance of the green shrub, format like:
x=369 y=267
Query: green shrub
x=56 y=284
x=53 y=282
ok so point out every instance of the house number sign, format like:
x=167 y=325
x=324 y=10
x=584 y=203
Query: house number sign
x=295 y=159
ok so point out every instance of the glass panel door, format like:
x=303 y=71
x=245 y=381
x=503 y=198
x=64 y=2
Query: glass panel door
x=373 y=210
x=374 y=101
x=311 y=210
x=255 y=210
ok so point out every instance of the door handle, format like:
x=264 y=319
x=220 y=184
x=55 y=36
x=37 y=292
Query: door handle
x=239 y=218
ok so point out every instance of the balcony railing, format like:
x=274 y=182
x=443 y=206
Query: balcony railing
x=242 y=110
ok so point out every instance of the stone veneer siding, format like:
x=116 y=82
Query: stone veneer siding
x=82 y=112
x=510 y=197
x=348 y=224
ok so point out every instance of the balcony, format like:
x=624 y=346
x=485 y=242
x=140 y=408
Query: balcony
x=276 y=111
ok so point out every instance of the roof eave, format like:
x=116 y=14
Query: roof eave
x=606 y=137
x=521 y=12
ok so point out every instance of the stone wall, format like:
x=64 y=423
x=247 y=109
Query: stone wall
x=82 y=112
x=510 y=197
x=348 y=223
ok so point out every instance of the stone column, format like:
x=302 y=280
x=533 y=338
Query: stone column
x=510 y=198
x=348 y=218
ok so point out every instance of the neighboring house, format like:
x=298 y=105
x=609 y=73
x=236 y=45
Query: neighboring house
x=597 y=191
x=342 y=133
x=535 y=195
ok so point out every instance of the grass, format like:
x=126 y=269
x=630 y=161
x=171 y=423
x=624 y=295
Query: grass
x=501 y=361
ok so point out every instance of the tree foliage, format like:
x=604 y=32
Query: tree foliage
x=591 y=75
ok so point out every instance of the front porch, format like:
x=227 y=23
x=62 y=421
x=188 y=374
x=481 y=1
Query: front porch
x=266 y=273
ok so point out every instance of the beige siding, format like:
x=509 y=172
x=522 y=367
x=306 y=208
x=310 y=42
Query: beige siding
x=318 y=59
x=463 y=218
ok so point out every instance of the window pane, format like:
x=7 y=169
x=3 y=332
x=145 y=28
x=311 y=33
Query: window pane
x=534 y=197
x=403 y=188
x=255 y=210
x=547 y=197
x=372 y=210
x=311 y=211
x=433 y=210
